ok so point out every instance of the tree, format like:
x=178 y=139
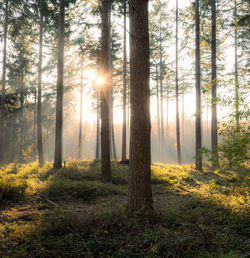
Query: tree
x=2 y=118
x=139 y=189
x=39 y=97
x=59 y=96
x=214 y=134
x=177 y=91
x=198 y=160
x=105 y=91
x=124 y=131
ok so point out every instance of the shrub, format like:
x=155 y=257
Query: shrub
x=234 y=149
x=11 y=187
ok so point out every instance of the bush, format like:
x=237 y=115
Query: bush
x=11 y=187
x=234 y=149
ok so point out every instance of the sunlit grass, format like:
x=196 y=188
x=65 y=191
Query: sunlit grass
x=90 y=217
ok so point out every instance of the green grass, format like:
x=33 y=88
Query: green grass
x=196 y=214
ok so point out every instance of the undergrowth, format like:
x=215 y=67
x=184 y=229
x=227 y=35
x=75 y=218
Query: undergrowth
x=71 y=212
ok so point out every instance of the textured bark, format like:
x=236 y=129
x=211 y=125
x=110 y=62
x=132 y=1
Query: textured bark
x=198 y=146
x=139 y=192
x=236 y=68
x=39 y=100
x=80 y=120
x=59 y=90
x=214 y=134
x=2 y=117
x=105 y=93
x=177 y=92
x=124 y=127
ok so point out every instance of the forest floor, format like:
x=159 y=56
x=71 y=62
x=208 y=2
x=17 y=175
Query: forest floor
x=71 y=212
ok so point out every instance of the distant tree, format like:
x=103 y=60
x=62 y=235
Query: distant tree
x=198 y=160
x=214 y=133
x=59 y=102
x=139 y=192
x=2 y=100
x=39 y=97
x=177 y=90
x=105 y=91
x=124 y=93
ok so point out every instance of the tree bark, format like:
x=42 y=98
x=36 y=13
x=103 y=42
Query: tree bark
x=2 y=118
x=59 y=99
x=139 y=189
x=158 y=109
x=105 y=93
x=124 y=128
x=177 y=93
x=214 y=135
x=198 y=146
x=39 y=97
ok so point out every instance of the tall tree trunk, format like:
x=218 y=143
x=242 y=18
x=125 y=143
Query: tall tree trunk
x=124 y=128
x=198 y=146
x=139 y=189
x=97 y=151
x=161 y=93
x=236 y=67
x=80 y=120
x=183 y=118
x=35 y=115
x=59 y=97
x=105 y=93
x=214 y=135
x=158 y=108
x=177 y=92
x=39 y=100
x=2 y=118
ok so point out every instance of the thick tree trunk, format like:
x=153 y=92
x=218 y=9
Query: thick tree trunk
x=214 y=135
x=198 y=146
x=105 y=93
x=236 y=67
x=139 y=192
x=124 y=128
x=80 y=120
x=2 y=118
x=59 y=99
x=177 y=93
x=39 y=100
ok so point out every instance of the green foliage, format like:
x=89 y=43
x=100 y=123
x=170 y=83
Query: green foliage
x=11 y=187
x=235 y=147
x=197 y=214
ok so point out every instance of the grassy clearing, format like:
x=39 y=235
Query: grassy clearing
x=71 y=212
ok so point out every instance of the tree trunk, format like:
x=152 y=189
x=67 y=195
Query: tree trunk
x=80 y=120
x=158 y=109
x=161 y=93
x=177 y=93
x=2 y=118
x=39 y=100
x=236 y=67
x=59 y=97
x=105 y=93
x=198 y=146
x=97 y=151
x=124 y=129
x=139 y=189
x=214 y=136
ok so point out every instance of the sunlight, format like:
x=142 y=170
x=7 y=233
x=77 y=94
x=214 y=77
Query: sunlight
x=99 y=80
